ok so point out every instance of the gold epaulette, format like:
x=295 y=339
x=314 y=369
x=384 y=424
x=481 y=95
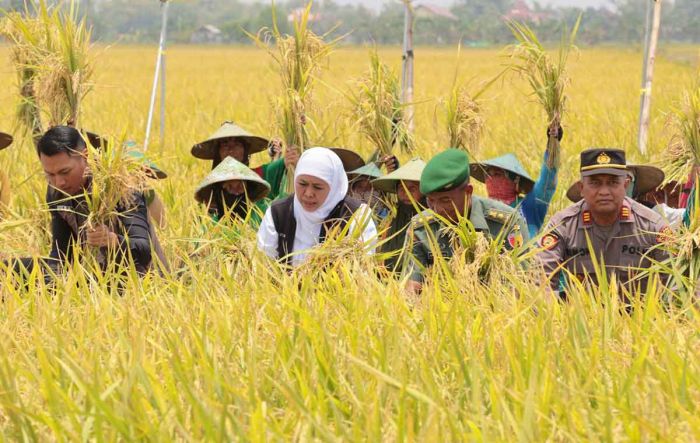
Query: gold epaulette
x=497 y=215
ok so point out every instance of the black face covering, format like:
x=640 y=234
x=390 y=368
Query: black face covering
x=227 y=203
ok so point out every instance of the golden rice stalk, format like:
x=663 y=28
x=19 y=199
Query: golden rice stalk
x=116 y=180
x=378 y=110
x=298 y=58
x=683 y=152
x=465 y=121
x=64 y=79
x=27 y=38
x=51 y=53
x=548 y=78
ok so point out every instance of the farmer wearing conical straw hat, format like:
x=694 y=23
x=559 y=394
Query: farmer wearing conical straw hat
x=5 y=141
x=507 y=181
x=231 y=140
x=230 y=190
x=644 y=183
x=445 y=183
x=361 y=188
x=405 y=183
x=623 y=234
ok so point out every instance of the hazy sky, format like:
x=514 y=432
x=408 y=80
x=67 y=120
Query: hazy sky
x=377 y=4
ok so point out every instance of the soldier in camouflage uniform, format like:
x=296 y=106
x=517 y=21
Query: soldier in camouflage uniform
x=623 y=234
x=445 y=183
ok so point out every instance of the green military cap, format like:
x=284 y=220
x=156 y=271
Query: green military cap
x=445 y=171
x=5 y=140
x=351 y=160
x=207 y=150
x=508 y=162
x=645 y=178
x=232 y=169
x=610 y=161
x=370 y=170
x=411 y=171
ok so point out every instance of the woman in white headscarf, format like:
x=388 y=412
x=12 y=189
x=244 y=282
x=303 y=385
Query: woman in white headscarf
x=295 y=224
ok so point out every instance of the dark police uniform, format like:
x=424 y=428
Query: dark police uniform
x=626 y=247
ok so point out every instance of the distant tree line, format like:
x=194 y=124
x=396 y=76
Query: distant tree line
x=474 y=22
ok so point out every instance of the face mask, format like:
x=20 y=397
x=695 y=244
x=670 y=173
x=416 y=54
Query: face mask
x=501 y=189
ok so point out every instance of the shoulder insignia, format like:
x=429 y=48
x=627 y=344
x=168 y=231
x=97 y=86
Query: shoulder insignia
x=496 y=215
x=625 y=213
x=549 y=241
x=515 y=239
x=587 y=217
x=664 y=235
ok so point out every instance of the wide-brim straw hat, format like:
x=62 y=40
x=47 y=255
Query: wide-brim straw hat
x=208 y=149
x=5 y=140
x=351 y=159
x=508 y=162
x=232 y=169
x=370 y=170
x=153 y=170
x=646 y=178
x=411 y=171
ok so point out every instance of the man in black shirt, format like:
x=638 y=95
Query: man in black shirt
x=63 y=156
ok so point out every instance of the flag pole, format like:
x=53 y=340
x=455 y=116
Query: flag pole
x=160 y=61
x=650 y=42
x=407 y=68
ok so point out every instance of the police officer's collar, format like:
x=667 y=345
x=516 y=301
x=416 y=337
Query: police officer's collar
x=626 y=215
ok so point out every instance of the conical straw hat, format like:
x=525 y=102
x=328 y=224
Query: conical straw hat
x=207 y=149
x=153 y=170
x=232 y=169
x=411 y=171
x=507 y=162
x=370 y=170
x=5 y=140
x=351 y=160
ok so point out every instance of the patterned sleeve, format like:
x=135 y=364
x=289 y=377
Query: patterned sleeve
x=551 y=254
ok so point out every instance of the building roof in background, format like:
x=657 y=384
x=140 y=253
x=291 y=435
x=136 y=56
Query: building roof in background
x=431 y=10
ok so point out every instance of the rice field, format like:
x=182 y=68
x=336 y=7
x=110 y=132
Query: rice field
x=231 y=348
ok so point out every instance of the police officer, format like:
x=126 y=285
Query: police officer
x=445 y=183
x=623 y=234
